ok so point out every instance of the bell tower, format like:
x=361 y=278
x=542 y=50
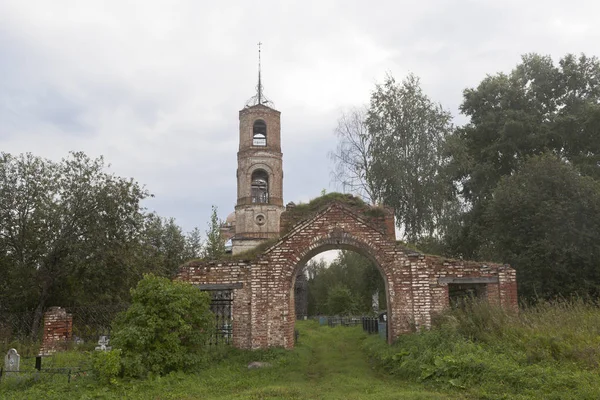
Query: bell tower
x=259 y=173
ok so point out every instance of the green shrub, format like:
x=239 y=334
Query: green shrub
x=341 y=301
x=106 y=365
x=165 y=329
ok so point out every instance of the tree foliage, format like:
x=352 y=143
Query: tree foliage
x=392 y=153
x=165 y=329
x=545 y=221
x=407 y=132
x=352 y=157
x=351 y=274
x=73 y=234
x=66 y=230
x=341 y=301
x=164 y=247
x=214 y=247
x=539 y=107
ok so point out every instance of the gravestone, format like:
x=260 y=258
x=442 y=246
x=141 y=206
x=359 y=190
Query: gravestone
x=11 y=361
x=103 y=344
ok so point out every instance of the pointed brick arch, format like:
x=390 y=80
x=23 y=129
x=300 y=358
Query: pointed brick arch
x=416 y=284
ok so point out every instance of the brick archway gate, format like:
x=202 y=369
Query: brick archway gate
x=348 y=242
x=337 y=227
x=417 y=285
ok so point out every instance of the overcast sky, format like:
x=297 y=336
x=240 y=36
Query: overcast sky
x=156 y=86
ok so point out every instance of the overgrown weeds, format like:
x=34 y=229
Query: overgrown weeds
x=549 y=350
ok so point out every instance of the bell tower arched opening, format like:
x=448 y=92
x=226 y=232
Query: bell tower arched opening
x=259 y=133
x=259 y=189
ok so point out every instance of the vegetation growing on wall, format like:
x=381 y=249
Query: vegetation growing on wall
x=303 y=211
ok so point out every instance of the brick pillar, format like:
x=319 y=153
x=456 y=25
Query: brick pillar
x=58 y=330
x=390 y=223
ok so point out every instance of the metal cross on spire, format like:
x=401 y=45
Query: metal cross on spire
x=259 y=97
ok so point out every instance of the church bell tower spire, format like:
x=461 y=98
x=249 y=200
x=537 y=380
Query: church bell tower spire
x=259 y=97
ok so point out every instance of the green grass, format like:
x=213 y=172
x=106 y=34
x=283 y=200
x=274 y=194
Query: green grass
x=327 y=363
x=548 y=351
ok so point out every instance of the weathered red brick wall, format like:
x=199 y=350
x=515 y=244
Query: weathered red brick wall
x=416 y=284
x=58 y=330
x=234 y=272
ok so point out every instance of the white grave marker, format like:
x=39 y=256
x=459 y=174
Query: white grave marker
x=11 y=361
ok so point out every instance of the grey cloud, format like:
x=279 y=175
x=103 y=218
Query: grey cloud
x=157 y=89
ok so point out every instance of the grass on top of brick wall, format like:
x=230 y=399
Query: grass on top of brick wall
x=253 y=253
x=304 y=211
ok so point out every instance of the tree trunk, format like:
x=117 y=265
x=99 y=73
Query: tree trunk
x=39 y=312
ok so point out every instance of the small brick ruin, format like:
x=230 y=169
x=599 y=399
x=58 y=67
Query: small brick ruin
x=58 y=330
x=417 y=285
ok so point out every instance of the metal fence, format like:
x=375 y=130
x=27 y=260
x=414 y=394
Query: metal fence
x=91 y=322
x=38 y=368
x=16 y=326
x=220 y=305
x=370 y=324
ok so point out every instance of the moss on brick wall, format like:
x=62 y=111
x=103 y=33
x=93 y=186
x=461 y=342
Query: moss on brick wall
x=304 y=211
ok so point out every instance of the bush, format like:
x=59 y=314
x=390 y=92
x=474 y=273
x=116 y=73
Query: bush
x=340 y=301
x=165 y=329
x=106 y=365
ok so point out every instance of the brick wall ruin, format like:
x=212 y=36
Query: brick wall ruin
x=58 y=330
x=417 y=285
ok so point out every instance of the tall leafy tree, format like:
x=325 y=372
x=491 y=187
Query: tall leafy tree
x=392 y=153
x=407 y=132
x=163 y=246
x=193 y=244
x=214 y=247
x=66 y=227
x=545 y=221
x=539 y=107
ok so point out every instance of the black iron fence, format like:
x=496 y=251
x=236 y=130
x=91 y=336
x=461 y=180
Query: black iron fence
x=43 y=368
x=220 y=305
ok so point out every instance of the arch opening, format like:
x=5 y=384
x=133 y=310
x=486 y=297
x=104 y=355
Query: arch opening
x=259 y=190
x=259 y=133
x=344 y=286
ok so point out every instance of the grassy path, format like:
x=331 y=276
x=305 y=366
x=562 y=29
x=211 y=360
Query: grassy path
x=331 y=365
x=327 y=363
